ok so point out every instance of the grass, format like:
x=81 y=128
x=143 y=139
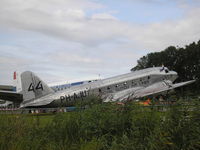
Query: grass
x=105 y=126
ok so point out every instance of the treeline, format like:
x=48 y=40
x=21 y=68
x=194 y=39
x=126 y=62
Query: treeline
x=105 y=127
x=185 y=61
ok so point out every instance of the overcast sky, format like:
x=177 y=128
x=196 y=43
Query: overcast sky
x=71 y=40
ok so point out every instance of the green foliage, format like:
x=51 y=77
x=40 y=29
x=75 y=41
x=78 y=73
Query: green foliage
x=88 y=101
x=105 y=126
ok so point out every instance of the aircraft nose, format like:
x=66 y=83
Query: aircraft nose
x=174 y=75
x=173 y=72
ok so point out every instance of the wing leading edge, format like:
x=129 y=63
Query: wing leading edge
x=139 y=92
x=159 y=88
x=121 y=95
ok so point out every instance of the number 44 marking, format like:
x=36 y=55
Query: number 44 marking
x=32 y=88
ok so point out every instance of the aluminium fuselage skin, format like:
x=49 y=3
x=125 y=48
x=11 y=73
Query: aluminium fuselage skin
x=141 y=78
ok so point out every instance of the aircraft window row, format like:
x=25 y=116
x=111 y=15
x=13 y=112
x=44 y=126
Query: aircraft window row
x=59 y=89
x=125 y=84
x=134 y=83
x=142 y=81
x=116 y=86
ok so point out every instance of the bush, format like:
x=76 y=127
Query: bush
x=105 y=126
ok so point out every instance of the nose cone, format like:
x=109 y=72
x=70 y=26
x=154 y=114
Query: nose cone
x=174 y=75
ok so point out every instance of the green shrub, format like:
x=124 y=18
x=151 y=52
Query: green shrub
x=105 y=126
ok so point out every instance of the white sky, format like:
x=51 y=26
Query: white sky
x=71 y=40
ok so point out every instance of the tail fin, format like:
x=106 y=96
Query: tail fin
x=33 y=87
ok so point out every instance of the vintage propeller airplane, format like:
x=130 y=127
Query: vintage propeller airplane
x=33 y=92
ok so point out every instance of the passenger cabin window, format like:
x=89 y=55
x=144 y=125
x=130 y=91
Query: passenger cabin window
x=134 y=83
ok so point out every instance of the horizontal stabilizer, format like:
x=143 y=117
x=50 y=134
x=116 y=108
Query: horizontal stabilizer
x=11 y=96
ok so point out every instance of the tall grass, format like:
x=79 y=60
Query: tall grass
x=105 y=127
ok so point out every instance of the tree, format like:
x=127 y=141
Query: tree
x=185 y=61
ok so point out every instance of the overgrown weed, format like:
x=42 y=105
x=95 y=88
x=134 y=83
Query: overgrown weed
x=105 y=126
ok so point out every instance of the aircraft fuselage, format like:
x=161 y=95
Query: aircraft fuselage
x=136 y=79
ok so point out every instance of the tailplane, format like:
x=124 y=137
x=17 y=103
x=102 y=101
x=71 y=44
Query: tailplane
x=33 y=87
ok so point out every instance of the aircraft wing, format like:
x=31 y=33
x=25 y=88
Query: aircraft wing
x=11 y=96
x=159 y=88
x=120 y=95
x=138 y=92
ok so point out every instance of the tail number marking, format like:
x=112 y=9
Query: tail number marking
x=32 y=88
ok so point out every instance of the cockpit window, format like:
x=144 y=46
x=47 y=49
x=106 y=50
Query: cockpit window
x=166 y=71
x=163 y=68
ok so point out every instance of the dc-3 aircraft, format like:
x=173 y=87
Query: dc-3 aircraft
x=33 y=92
